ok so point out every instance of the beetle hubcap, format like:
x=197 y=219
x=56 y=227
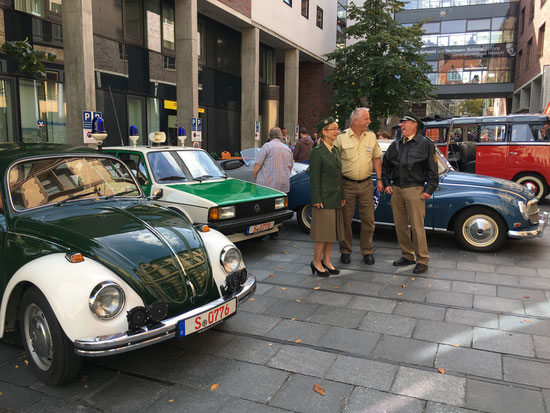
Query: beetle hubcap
x=38 y=336
x=480 y=230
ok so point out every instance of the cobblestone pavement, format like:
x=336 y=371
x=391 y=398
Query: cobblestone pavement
x=471 y=334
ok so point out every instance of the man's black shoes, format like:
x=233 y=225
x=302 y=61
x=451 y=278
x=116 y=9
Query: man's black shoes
x=369 y=259
x=401 y=262
x=420 y=268
x=345 y=259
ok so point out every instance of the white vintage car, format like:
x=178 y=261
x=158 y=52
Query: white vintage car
x=195 y=186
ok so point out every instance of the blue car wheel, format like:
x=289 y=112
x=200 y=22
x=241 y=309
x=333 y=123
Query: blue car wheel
x=303 y=216
x=480 y=229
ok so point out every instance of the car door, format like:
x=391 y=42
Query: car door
x=492 y=150
x=136 y=163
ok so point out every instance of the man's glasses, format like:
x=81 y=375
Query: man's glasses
x=333 y=129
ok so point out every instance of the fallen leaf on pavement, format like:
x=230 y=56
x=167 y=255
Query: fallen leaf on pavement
x=453 y=279
x=317 y=288
x=280 y=268
x=412 y=278
x=252 y=299
x=292 y=319
x=271 y=275
x=26 y=362
x=527 y=320
x=298 y=301
x=456 y=345
x=318 y=389
x=270 y=344
x=399 y=293
x=395 y=276
x=214 y=386
x=429 y=286
x=442 y=371
x=284 y=252
x=403 y=285
x=171 y=401
x=335 y=287
x=283 y=288
x=298 y=341
x=526 y=296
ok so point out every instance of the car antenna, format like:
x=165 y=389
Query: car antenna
x=116 y=116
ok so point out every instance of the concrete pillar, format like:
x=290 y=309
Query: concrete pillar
x=534 y=103
x=525 y=97
x=292 y=80
x=187 y=65
x=250 y=89
x=545 y=92
x=78 y=50
x=515 y=102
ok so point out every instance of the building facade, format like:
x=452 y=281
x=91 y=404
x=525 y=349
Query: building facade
x=470 y=45
x=156 y=64
x=532 y=83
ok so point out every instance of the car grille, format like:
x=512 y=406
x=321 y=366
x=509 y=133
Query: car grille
x=254 y=208
x=533 y=211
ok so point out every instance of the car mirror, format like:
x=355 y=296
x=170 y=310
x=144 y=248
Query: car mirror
x=231 y=164
x=157 y=194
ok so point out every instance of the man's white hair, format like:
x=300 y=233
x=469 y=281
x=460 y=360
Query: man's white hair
x=356 y=113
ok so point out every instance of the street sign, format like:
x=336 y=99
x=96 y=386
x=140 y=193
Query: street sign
x=193 y=124
x=257 y=131
x=196 y=145
x=547 y=110
x=41 y=123
x=197 y=136
x=88 y=117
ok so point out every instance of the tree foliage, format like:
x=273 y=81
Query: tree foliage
x=471 y=107
x=384 y=69
x=30 y=61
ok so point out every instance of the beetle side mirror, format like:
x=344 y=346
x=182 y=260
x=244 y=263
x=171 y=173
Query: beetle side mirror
x=157 y=194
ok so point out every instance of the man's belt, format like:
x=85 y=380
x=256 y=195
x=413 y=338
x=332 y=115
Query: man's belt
x=357 y=181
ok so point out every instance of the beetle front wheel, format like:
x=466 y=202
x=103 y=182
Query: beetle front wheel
x=50 y=353
x=480 y=229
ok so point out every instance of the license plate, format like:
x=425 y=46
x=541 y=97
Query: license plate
x=260 y=227
x=206 y=319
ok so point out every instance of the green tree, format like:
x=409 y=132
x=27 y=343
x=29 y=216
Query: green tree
x=471 y=107
x=384 y=69
x=31 y=61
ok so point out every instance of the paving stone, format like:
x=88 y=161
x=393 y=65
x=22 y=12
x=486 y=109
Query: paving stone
x=409 y=293
x=280 y=257
x=533 y=282
x=516 y=270
x=462 y=275
x=328 y=298
x=525 y=325
x=262 y=288
x=362 y=287
x=441 y=332
x=208 y=342
x=245 y=406
x=526 y=371
x=16 y=398
x=249 y=349
x=498 y=279
x=287 y=293
x=338 y=316
x=441 y=263
x=505 y=305
x=521 y=294
x=503 y=342
x=544 y=272
x=432 y=407
x=10 y=353
x=469 y=361
x=393 y=325
x=258 y=304
x=366 y=373
x=302 y=360
x=351 y=341
x=372 y=304
x=537 y=309
x=243 y=322
x=428 y=312
x=472 y=318
x=498 y=398
x=448 y=298
x=251 y=382
x=431 y=283
x=532 y=263
x=542 y=347
x=292 y=309
x=184 y=398
x=298 y=330
x=388 y=279
x=427 y=385
x=406 y=350
x=51 y=404
x=17 y=372
x=474 y=288
x=475 y=266
x=374 y=401
x=297 y=395
x=326 y=283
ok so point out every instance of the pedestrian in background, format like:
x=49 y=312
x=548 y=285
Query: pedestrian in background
x=327 y=198
x=286 y=138
x=360 y=155
x=382 y=134
x=303 y=147
x=274 y=163
x=410 y=176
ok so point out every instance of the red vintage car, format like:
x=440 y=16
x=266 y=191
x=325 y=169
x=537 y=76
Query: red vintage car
x=514 y=147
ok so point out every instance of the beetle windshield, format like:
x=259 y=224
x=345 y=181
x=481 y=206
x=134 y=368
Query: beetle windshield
x=57 y=180
x=179 y=166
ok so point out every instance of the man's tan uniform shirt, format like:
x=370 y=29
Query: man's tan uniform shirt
x=357 y=154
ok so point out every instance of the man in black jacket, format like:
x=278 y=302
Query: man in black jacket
x=409 y=173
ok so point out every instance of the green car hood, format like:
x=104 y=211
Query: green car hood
x=135 y=239
x=229 y=191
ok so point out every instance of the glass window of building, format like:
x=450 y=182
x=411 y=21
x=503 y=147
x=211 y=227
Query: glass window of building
x=55 y=6
x=107 y=19
x=305 y=8
x=289 y=2
x=453 y=26
x=135 y=117
x=542 y=31
x=35 y=7
x=44 y=101
x=133 y=21
x=498 y=23
x=319 y=19
x=477 y=25
x=430 y=28
x=6 y=111
x=153 y=37
x=528 y=52
x=153 y=115
x=266 y=65
x=168 y=36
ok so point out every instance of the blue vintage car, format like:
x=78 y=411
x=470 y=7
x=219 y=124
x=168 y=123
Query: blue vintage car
x=482 y=212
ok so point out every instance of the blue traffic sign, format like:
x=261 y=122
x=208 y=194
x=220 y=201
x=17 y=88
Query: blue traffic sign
x=199 y=125
x=194 y=124
x=88 y=117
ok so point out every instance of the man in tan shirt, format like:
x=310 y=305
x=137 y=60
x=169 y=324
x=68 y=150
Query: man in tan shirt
x=360 y=155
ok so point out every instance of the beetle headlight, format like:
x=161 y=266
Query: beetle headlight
x=523 y=210
x=231 y=258
x=281 y=203
x=107 y=300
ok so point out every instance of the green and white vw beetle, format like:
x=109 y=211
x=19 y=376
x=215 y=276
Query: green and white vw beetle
x=90 y=267
x=193 y=184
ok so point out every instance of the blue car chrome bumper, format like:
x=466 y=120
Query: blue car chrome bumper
x=533 y=233
x=122 y=342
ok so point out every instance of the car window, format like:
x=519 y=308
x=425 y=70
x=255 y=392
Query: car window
x=492 y=133
x=41 y=182
x=166 y=167
x=200 y=165
x=527 y=132
x=136 y=164
x=438 y=135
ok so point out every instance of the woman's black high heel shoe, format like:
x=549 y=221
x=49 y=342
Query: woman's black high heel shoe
x=319 y=273
x=333 y=271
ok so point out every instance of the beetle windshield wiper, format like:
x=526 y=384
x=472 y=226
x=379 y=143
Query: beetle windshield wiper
x=173 y=178
x=76 y=196
x=122 y=193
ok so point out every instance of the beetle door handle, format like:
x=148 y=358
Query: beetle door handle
x=513 y=153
